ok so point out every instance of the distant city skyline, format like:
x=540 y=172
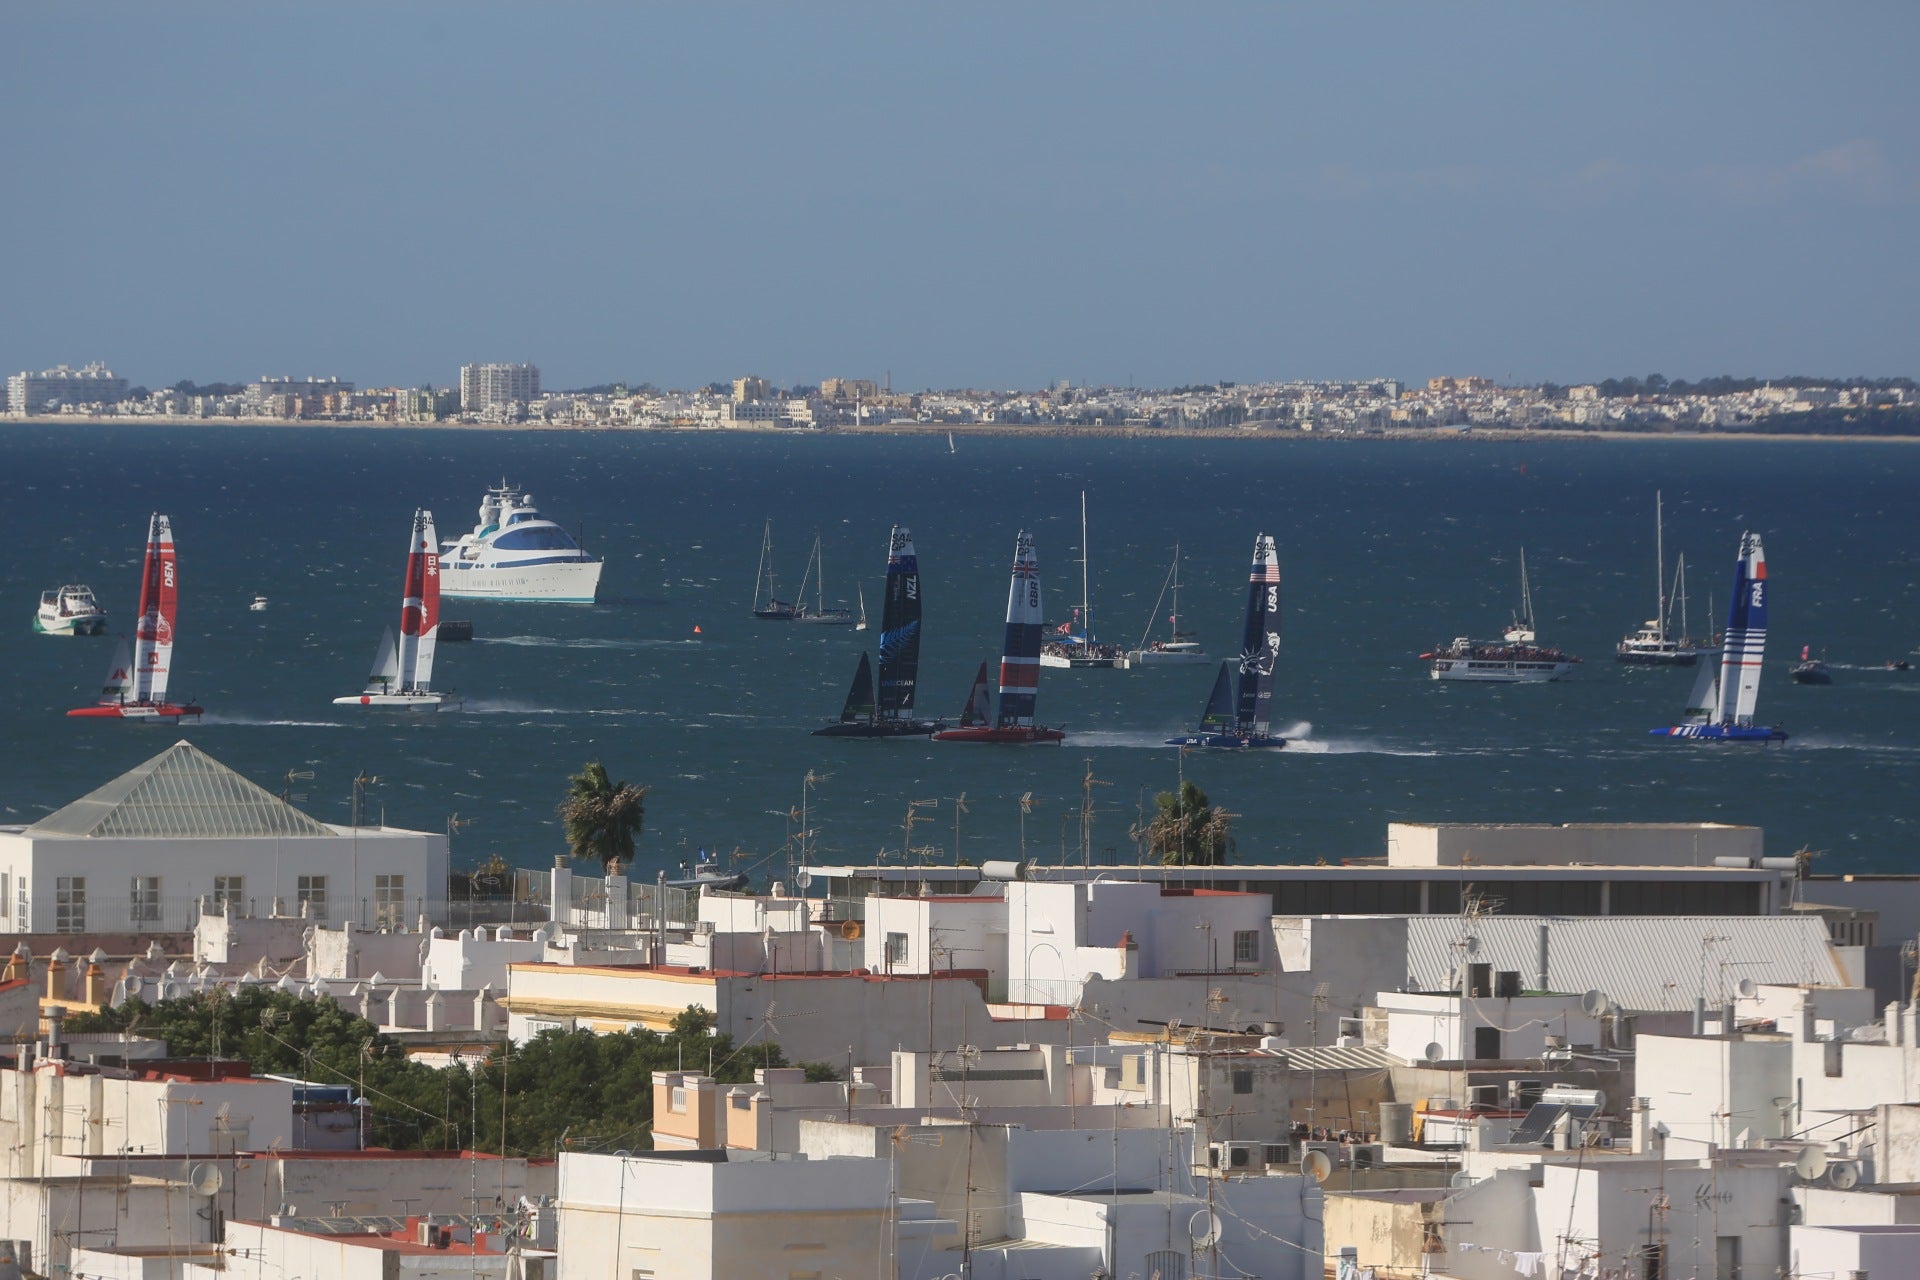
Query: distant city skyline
x=994 y=197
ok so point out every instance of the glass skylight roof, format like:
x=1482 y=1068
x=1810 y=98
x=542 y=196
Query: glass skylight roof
x=180 y=793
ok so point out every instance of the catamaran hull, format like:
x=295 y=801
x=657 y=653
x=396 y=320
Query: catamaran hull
x=882 y=729
x=95 y=626
x=1229 y=742
x=1759 y=733
x=1012 y=735
x=1168 y=658
x=138 y=711
x=394 y=701
x=567 y=582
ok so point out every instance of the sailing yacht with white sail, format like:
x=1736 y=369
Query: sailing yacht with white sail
x=1239 y=712
x=1076 y=645
x=402 y=675
x=770 y=608
x=136 y=687
x=1182 y=648
x=1654 y=644
x=1726 y=693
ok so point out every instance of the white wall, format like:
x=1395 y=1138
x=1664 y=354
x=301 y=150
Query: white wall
x=1709 y=1090
x=187 y=867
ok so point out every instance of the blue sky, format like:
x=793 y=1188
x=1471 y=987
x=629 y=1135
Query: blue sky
x=961 y=195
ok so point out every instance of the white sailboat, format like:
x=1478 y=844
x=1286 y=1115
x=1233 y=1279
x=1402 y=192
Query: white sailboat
x=1075 y=645
x=402 y=674
x=1656 y=643
x=1183 y=648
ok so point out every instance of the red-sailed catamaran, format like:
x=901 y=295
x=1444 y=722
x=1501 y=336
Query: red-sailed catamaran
x=1724 y=698
x=402 y=675
x=1019 y=666
x=136 y=687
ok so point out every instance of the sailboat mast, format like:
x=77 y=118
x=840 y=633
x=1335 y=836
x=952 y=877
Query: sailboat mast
x=1086 y=601
x=766 y=545
x=1660 y=563
x=1174 y=618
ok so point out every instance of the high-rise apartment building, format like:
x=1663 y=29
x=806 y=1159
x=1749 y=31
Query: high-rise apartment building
x=484 y=386
x=29 y=393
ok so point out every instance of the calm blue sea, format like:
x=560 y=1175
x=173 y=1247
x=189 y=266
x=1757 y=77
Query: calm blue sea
x=1386 y=549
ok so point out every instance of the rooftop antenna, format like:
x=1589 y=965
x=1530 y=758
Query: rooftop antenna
x=1087 y=784
x=913 y=818
x=959 y=807
x=1026 y=807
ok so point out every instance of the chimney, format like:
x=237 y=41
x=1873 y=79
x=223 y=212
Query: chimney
x=1541 y=970
x=96 y=989
x=19 y=964
x=1642 y=1120
x=57 y=974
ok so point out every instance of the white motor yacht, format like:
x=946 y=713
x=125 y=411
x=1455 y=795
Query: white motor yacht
x=515 y=553
x=70 y=611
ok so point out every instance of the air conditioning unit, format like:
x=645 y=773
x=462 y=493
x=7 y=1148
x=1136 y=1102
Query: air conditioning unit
x=1335 y=1152
x=1484 y=1097
x=1368 y=1154
x=1237 y=1157
x=1275 y=1153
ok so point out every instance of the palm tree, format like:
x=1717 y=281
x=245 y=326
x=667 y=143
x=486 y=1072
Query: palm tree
x=1188 y=831
x=602 y=818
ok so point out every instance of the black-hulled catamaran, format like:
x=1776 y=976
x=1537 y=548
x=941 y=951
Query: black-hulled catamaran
x=886 y=710
x=1019 y=666
x=1239 y=712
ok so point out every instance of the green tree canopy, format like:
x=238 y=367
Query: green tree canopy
x=564 y=1090
x=1188 y=831
x=602 y=818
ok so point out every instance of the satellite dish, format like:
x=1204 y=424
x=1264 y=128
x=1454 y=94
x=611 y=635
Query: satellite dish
x=1810 y=1163
x=1316 y=1165
x=1434 y=1052
x=1844 y=1176
x=802 y=878
x=205 y=1179
x=1204 y=1227
x=1595 y=1003
x=1747 y=989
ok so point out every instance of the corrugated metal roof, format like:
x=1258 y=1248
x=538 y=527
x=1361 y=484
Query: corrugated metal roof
x=1330 y=1057
x=182 y=792
x=1644 y=963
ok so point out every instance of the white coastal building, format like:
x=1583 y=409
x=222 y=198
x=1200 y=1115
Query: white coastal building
x=149 y=850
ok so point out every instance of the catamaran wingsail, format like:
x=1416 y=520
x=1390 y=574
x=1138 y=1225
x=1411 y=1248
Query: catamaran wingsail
x=402 y=675
x=136 y=687
x=1019 y=666
x=1723 y=701
x=885 y=710
x=1240 y=716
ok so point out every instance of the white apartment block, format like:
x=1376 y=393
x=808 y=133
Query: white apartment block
x=485 y=386
x=29 y=393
